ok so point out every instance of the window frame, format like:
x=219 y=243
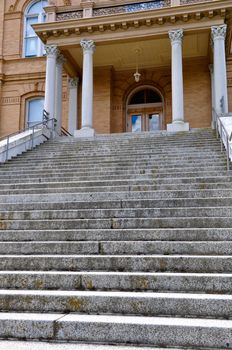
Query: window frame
x=41 y=19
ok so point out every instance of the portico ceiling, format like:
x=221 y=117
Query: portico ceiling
x=151 y=53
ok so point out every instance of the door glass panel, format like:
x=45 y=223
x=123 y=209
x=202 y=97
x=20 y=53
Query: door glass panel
x=35 y=111
x=136 y=122
x=154 y=122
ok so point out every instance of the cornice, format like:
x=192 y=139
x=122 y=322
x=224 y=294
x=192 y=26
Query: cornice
x=221 y=9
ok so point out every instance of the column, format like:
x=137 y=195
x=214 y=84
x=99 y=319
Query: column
x=178 y=124
x=212 y=94
x=50 y=85
x=73 y=105
x=58 y=91
x=220 y=76
x=87 y=130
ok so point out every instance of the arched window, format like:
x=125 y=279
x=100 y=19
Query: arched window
x=35 y=108
x=34 y=14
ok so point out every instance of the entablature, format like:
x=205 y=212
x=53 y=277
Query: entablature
x=129 y=25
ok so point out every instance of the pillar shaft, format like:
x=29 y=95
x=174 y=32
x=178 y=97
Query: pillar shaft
x=73 y=104
x=88 y=47
x=220 y=75
x=50 y=85
x=178 y=124
x=58 y=92
x=212 y=94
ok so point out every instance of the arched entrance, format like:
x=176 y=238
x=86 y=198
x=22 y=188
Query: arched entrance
x=144 y=110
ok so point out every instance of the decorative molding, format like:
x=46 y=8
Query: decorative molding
x=10 y=100
x=87 y=45
x=69 y=15
x=218 y=32
x=51 y=50
x=176 y=36
x=73 y=83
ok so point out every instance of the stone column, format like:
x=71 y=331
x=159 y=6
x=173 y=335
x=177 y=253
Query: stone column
x=73 y=105
x=50 y=85
x=212 y=94
x=87 y=130
x=220 y=75
x=178 y=124
x=58 y=91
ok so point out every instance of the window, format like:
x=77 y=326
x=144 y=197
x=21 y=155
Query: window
x=34 y=14
x=145 y=96
x=35 y=108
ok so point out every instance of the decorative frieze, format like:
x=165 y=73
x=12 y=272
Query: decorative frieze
x=143 y=6
x=69 y=15
x=188 y=2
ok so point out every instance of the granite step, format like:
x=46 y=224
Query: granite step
x=121 y=263
x=134 y=330
x=209 y=283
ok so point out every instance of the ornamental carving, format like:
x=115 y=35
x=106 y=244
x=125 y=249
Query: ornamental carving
x=218 y=32
x=51 y=50
x=143 y=6
x=176 y=36
x=69 y=15
x=186 y=2
x=73 y=83
x=88 y=45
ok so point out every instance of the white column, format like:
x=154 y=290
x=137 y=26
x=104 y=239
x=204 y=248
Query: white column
x=220 y=75
x=73 y=105
x=58 y=91
x=178 y=124
x=212 y=94
x=50 y=85
x=87 y=130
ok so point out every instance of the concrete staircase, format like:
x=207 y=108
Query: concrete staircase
x=126 y=239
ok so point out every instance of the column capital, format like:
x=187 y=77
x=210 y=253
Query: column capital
x=176 y=36
x=73 y=82
x=60 y=59
x=88 y=45
x=51 y=50
x=218 y=32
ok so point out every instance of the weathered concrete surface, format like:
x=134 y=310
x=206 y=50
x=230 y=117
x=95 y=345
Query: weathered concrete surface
x=27 y=345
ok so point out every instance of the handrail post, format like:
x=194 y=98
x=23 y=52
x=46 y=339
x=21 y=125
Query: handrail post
x=221 y=136
x=7 y=147
x=228 y=153
x=32 y=138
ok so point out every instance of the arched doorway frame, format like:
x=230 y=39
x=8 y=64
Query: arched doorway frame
x=158 y=105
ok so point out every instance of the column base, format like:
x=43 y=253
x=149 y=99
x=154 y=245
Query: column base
x=177 y=126
x=84 y=132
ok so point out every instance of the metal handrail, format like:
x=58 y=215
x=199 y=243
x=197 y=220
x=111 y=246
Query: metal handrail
x=220 y=130
x=65 y=132
x=49 y=123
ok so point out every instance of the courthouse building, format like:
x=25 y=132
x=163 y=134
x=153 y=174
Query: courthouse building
x=112 y=66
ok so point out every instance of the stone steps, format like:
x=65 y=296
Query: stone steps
x=117 y=281
x=123 y=239
x=122 y=303
x=200 y=333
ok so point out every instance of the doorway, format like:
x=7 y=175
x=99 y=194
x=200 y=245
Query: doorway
x=145 y=111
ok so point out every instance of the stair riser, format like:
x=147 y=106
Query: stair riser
x=116 y=248
x=114 y=196
x=185 y=235
x=127 y=305
x=205 y=222
x=198 y=264
x=172 y=203
x=117 y=213
x=118 y=282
